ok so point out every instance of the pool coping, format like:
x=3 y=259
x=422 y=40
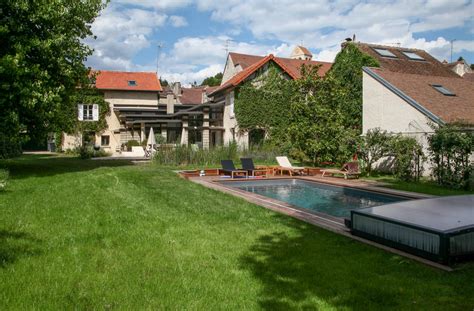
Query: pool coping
x=322 y=220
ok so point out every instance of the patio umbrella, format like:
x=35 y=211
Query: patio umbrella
x=151 y=138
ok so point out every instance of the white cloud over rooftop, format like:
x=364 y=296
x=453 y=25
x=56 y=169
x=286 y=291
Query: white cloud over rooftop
x=127 y=28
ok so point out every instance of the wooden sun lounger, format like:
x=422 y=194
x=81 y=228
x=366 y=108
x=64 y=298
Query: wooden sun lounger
x=348 y=169
x=228 y=168
x=247 y=164
x=285 y=166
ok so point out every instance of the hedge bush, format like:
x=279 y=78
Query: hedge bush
x=451 y=147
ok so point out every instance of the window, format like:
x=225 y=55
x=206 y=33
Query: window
x=385 y=53
x=412 y=56
x=132 y=83
x=105 y=140
x=173 y=135
x=443 y=90
x=88 y=112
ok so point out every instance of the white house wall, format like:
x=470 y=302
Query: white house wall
x=230 y=70
x=385 y=110
x=230 y=124
x=113 y=123
x=131 y=98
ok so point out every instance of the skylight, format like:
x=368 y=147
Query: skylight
x=385 y=53
x=132 y=83
x=443 y=90
x=412 y=56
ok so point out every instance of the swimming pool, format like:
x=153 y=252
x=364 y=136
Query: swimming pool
x=332 y=200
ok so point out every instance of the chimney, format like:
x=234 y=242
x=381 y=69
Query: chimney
x=176 y=88
x=170 y=104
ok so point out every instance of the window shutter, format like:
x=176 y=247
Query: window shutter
x=80 y=112
x=232 y=114
x=95 y=112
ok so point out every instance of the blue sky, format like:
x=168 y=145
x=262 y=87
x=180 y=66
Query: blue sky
x=193 y=35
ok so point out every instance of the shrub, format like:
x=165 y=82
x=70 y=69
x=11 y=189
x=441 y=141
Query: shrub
x=408 y=158
x=189 y=155
x=132 y=143
x=85 y=152
x=450 y=149
x=160 y=139
x=375 y=145
x=9 y=147
x=4 y=174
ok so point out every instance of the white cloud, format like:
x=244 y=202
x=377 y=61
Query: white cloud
x=195 y=58
x=121 y=34
x=127 y=27
x=178 y=21
x=157 y=4
x=323 y=24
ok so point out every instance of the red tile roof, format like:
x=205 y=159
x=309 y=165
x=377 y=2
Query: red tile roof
x=118 y=80
x=244 y=60
x=193 y=95
x=428 y=66
x=291 y=66
x=419 y=87
x=469 y=76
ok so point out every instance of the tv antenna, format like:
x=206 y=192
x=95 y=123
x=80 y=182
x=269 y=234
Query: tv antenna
x=452 y=44
x=159 y=46
x=227 y=45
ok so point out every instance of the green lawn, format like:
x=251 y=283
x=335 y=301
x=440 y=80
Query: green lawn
x=104 y=235
x=423 y=186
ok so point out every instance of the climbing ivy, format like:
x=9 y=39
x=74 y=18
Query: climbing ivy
x=346 y=73
x=264 y=104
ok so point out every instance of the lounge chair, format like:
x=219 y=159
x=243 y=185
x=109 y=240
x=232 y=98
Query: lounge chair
x=285 y=165
x=348 y=169
x=228 y=168
x=247 y=164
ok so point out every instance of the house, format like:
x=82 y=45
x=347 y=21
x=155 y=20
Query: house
x=138 y=102
x=461 y=67
x=411 y=92
x=240 y=68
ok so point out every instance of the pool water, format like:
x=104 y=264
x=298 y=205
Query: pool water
x=318 y=197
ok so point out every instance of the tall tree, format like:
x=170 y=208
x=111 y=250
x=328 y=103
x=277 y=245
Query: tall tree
x=347 y=72
x=41 y=65
x=317 y=128
x=213 y=81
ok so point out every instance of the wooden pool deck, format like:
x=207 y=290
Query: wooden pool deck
x=335 y=224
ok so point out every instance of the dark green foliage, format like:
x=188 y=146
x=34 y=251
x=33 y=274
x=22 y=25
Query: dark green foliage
x=164 y=82
x=264 y=104
x=212 y=81
x=317 y=129
x=347 y=73
x=450 y=149
x=408 y=158
x=42 y=58
x=374 y=146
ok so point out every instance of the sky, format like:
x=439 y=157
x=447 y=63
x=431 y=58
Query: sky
x=187 y=40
